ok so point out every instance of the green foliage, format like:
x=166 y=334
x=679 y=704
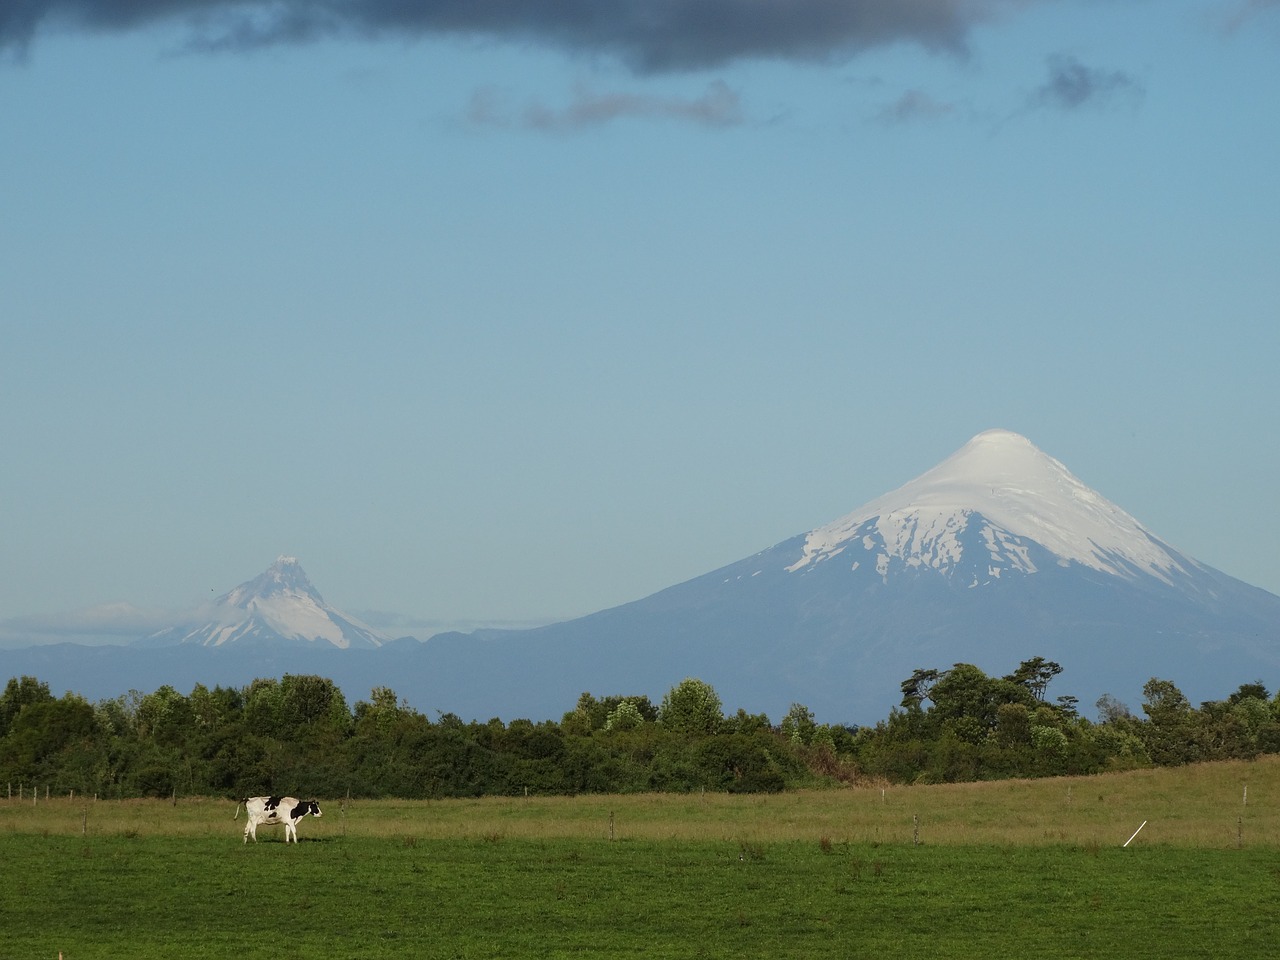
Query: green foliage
x=977 y=727
x=1169 y=733
x=691 y=706
x=1035 y=674
x=625 y=716
x=798 y=726
x=297 y=735
x=20 y=692
x=50 y=741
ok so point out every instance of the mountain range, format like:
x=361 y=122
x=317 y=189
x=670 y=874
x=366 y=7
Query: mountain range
x=996 y=555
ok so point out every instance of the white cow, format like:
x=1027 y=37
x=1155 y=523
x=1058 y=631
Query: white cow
x=273 y=810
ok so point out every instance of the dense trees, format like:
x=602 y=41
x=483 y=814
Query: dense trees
x=299 y=735
x=981 y=727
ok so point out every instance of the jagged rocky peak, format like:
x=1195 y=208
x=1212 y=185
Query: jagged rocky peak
x=1003 y=488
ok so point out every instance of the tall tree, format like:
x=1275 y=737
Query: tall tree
x=1035 y=674
x=691 y=706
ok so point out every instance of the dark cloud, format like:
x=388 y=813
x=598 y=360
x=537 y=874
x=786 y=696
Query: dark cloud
x=1072 y=85
x=719 y=106
x=649 y=35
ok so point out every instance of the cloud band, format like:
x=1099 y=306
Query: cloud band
x=649 y=35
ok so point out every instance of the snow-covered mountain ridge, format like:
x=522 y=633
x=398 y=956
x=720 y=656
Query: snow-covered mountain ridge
x=1017 y=496
x=279 y=605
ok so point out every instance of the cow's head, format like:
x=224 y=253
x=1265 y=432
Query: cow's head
x=314 y=808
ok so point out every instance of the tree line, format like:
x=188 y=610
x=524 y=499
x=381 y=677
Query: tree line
x=298 y=735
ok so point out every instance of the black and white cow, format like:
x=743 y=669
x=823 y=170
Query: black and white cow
x=272 y=810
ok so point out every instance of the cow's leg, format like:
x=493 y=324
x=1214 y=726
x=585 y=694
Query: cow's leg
x=251 y=830
x=290 y=832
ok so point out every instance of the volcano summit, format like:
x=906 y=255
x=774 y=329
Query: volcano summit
x=996 y=555
x=279 y=606
x=1013 y=499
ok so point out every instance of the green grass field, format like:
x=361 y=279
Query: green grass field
x=1001 y=870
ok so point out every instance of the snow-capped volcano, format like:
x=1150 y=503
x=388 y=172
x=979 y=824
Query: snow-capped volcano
x=1002 y=493
x=279 y=605
x=996 y=555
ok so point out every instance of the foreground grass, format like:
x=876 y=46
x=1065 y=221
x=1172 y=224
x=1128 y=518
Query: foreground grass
x=1001 y=870
x=379 y=897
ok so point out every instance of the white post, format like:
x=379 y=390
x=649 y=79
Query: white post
x=1135 y=833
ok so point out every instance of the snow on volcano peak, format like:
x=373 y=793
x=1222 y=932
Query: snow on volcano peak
x=278 y=604
x=1021 y=493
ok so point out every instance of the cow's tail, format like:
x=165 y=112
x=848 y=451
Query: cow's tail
x=238 y=806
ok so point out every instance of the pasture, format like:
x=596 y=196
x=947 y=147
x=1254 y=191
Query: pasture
x=977 y=870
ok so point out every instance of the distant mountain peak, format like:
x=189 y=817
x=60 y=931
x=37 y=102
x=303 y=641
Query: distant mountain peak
x=1002 y=489
x=278 y=605
x=285 y=576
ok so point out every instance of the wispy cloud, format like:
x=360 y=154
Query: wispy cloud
x=915 y=105
x=718 y=106
x=106 y=623
x=649 y=35
x=423 y=628
x=1072 y=85
x=1243 y=11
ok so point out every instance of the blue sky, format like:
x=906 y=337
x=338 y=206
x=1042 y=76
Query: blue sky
x=516 y=320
